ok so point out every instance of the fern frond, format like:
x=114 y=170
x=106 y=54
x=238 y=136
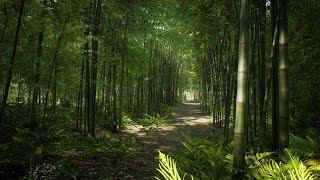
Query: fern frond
x=272 y=170
x=313 y=164
x=297 y=169
x=259 y=158
x=168 y=168
x=304 y=147
x=301 y=172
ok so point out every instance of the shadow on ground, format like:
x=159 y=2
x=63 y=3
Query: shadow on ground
x=142 y=164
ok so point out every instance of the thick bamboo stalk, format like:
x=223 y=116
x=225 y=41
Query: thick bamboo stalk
x=242 y=90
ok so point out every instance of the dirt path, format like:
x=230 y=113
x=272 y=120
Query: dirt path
x=187 y=118
x=142 y=165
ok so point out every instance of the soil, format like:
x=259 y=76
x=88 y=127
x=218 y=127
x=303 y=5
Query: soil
x=187 y=118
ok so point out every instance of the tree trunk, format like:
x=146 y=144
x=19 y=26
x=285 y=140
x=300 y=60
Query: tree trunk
x=114 y=94
x=53 y=67
x=275 y=83
x=87 y=88
x=262 y=86
x=283 y=76
x=5 y=26
x=13 y=55
x=242 y=90
x=54 y=86
x=80 y=95
x=93 y=91
x=254 y=32
x=123 y=56
x=36 y=88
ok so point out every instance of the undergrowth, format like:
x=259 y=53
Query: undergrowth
x=204 y=159
x=42 y=153
x=152 y=122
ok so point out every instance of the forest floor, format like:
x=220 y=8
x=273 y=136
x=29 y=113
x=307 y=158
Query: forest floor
x=142 y=164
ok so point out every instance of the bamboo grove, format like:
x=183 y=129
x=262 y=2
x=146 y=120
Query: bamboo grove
x=238 y=81
x=107 y=64
x=90 y=64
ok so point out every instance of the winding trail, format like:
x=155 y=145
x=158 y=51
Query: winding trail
x=167 y=138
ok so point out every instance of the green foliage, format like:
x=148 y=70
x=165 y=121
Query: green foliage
x=308 y=149
x=152 y=122
x=291 y=167
x=43 y=171
x=66 y=168
x=305 y=147
x=27 y=147
x=204 y=159
x=33 y=149
x=127 y=120
x=256 y=161
x=314 y=165
x=207 y=160
x=165 y=109
x=168 y=168
x=304 y=66
x=52 y=171
x=75 y=142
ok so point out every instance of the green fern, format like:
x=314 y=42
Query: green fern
x=272 y=170
x=307 y=147
x=313 y=164
x=301 y=172
x=168 y=168
x=204 y=159
x=258 y=158
x=298 y=170
x=254 y=162
x=291 y=167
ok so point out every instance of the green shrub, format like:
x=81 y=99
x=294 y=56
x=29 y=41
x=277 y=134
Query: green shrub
x=152 y=122
x=127 y=120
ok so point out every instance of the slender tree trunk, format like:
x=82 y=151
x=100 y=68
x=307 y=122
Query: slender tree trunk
x=104 y=88
x=80 y=95
x=5 y=26
x=236 y=54
x=54 y=86
x=87 y=88
x=53 y=66
x=36 y=88
x=93 y=91
x=18 y=100
x=283 y=76
x=29 y=100
x=150 y=80
x=114 y=92
x=108 y=95
x=275 y=83
x=242 y=90
x=123 y=56
x=138 y=97
x=254 y=31
x=229 y=89
x=262 y=86
x=13 y=55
